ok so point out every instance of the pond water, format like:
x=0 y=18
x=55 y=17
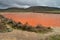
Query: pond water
x=35 y=18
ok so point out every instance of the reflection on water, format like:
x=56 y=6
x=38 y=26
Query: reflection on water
x=36 y=18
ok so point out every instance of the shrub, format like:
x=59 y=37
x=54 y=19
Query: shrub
x=43 y=29
x=9 y=29
x=2 y=28
x=19 y=25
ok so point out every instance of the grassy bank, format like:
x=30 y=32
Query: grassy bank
x=10 y=24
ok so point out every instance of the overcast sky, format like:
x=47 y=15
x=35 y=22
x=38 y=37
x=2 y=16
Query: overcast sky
x=27 y=3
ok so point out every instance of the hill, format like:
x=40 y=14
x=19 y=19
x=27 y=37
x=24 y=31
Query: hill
x=37 y=9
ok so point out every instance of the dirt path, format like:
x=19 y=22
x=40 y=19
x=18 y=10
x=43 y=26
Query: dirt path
x=24 y=35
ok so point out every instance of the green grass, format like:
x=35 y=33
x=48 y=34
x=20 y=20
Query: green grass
x=54 y=37
x=53 y=12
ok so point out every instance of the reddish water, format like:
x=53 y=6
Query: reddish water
x=36 y=18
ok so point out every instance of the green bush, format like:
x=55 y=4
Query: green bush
x=9 y=29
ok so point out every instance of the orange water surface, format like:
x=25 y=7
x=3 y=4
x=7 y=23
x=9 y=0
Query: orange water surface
x=35 y=18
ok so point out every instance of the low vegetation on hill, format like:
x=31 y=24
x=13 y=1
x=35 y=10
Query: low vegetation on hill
x=9 y=24
x=38 y=9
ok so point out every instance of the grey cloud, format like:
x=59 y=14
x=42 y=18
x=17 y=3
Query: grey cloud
x=27 y=3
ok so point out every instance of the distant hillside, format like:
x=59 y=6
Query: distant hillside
x=32 y=9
